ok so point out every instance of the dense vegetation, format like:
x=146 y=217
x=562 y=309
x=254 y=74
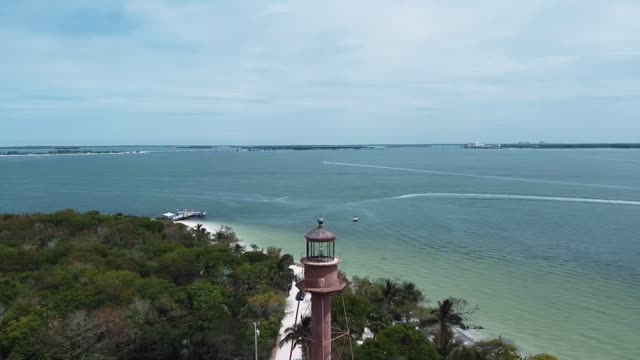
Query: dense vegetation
x=92 y=286
x=89 y=286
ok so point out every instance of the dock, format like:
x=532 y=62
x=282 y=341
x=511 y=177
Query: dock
x=184 y=215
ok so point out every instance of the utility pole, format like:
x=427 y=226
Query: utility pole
x=256 y=332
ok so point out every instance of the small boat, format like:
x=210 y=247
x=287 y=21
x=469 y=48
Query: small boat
x=355 y=219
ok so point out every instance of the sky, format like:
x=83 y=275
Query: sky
x=97 y=72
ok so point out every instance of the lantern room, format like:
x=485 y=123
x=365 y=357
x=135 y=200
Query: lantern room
x=321 y=244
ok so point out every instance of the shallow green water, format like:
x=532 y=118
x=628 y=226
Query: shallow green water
x=528 y=236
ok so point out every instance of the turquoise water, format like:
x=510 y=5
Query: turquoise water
x=530 y=237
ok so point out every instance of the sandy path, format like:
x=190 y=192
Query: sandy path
x=289 y=319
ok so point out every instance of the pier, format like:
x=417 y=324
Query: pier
x=184 y=214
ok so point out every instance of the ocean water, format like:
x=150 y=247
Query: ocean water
x=545 y=242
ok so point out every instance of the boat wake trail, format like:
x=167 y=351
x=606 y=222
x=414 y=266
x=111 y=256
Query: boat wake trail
x=610 y=159
x=504 y=178
x=519 y=197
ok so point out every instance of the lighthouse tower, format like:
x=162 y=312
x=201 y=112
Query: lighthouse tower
x=321 y=280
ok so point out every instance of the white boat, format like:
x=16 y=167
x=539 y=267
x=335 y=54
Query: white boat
x=355 y=219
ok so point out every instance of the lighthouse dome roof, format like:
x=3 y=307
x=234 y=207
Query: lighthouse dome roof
x=320 y=234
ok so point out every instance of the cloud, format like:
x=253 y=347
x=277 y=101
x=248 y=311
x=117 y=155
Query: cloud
x=421 y=66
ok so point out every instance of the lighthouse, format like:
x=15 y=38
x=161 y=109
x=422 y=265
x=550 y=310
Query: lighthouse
x=321 y=280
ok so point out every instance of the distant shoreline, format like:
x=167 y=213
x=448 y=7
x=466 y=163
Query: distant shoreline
x=143 y=149
x=571 y=146
x=68 y=153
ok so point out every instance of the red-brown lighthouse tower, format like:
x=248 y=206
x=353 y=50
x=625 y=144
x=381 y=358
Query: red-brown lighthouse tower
x=321 y=280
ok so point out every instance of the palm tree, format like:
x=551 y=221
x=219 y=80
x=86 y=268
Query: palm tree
x=299 y=335
x=392 y=298
x=285 y=261
x=201 y=232
x=409 y=299
x=238 y=249
x=446 y=317
x=390 y=292
x=410 y=293
x=282 y=279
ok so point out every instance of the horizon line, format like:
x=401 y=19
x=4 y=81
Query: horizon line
x=293 y=144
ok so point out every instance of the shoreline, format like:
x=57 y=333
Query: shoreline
x=466 y=336
x=212 y=227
